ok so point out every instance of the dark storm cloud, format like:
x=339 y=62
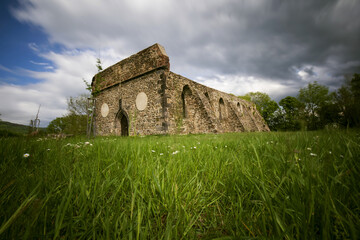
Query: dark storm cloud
x=275 y=37
x=267 y=39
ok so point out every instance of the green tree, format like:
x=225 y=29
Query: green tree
x=292 y=109
x=56 y=126
x=75 y=122
x=78 y=105
x=69 y=124
x=265 y=105
x=314 y=97
x=347 y=99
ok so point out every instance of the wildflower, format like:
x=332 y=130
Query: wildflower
x=225 y=146
x=48 y=149
x=308 y=149
x=342 y=156
x=330 y=152
x=26 y=155
x=153 y=151
x=198 y=143
x=161 y=154
x=176 y=152
x=194 y=147
x=91 y=144
x=86 y=143
x=313 y=154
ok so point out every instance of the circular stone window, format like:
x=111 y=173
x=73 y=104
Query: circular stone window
x=104 y=110
x=141 y=101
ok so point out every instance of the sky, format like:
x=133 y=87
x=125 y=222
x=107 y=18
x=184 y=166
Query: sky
x=49 y=47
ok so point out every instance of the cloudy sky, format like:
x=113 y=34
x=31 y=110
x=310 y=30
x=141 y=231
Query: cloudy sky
x=47 y=47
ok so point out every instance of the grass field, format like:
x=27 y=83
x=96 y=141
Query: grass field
x=303 y=185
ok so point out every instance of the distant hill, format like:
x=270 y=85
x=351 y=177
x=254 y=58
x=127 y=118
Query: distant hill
x=15 y=128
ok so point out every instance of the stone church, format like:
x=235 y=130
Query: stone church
x=141 y=96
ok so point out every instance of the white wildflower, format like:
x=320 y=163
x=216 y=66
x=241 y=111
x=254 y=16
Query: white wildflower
x=176 y=152
x=308 y=149
x=91 y=144
x=26 y=155
x=153 y=151
x=48 y=149
x=86 y=143
x=330 y=152
x=313 y=154
x=194 y=147
x=161 y=154
x=225 y=146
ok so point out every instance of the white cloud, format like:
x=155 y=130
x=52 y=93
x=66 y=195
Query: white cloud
x=234 y=46
x=19 y=103
x=240 y=85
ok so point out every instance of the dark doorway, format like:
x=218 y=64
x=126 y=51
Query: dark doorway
x=122 y=118
x=124 y=125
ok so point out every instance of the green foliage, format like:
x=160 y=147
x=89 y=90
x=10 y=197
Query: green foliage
x=78 y=105
x=291 y=115
x=7 y=133
x=57 y=125
x=75 y=122
x=14 y=128
x=264 y=104
x=314 y=97
x=69 y=124
x=300 y=185
x=99 y=65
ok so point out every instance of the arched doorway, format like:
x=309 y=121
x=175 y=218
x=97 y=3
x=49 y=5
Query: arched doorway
x=122 y=119
x=124 y=124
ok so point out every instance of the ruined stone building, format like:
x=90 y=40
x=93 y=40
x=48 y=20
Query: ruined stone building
x=141 y=96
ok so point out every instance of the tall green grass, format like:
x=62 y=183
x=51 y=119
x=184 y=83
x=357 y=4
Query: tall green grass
x=302 y=185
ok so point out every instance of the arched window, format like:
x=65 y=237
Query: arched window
x=221 y=109
x=207 y=96
x=185 y=95
x=240 y=107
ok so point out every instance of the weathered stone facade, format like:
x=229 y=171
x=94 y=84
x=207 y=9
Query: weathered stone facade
x=141 y=96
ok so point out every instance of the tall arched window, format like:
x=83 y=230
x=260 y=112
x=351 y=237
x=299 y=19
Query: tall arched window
x=185 y=95
x=221 y=109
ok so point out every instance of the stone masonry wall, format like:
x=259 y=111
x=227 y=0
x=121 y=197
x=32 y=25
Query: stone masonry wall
x=208 y=110
x=148 y=121
x=140 y=96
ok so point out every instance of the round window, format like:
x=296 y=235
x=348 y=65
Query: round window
x=141 y=101
x=104 y=110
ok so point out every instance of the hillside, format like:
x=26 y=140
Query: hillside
x=15 y=128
